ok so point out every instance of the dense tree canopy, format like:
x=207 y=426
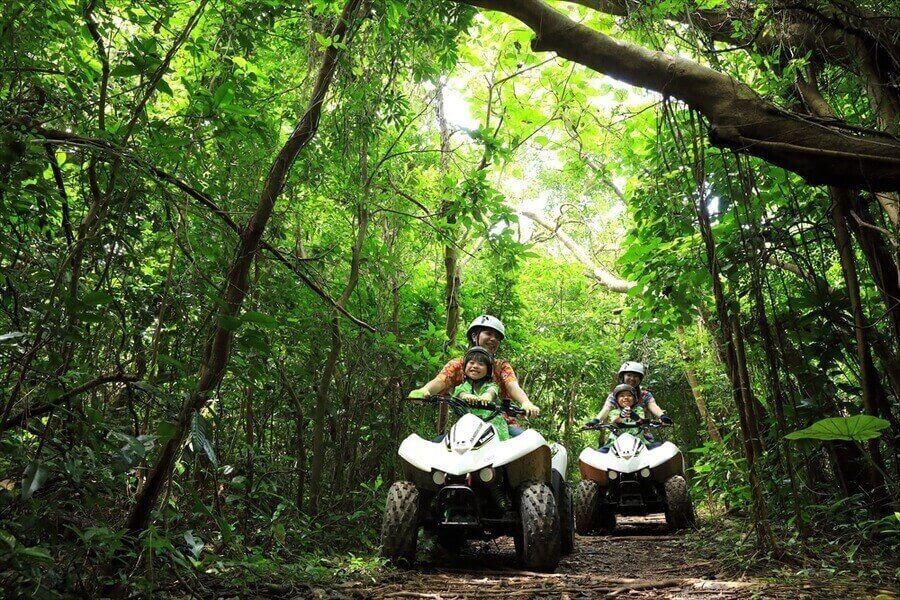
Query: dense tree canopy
x=234 y=236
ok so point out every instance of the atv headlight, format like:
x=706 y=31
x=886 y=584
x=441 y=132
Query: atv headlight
x=439 y=477
x=645 y=472
x=613 y=475
x=486 y=474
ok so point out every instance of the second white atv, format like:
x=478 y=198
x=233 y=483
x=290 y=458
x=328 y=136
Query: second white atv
x=631 y=477
x=471 y=485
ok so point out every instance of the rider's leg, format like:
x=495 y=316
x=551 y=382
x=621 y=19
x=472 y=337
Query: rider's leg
x=514 y=431
x=439 y=438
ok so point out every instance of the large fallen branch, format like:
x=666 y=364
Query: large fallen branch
x=607 y=279
x=828 y=154
x=832 y=34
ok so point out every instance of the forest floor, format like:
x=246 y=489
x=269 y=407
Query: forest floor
x=641 y=560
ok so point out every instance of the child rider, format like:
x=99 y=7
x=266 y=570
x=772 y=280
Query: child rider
x=478 y=387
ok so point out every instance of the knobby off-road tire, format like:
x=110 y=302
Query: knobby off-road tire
x=400 y=528
x=679 y=508
x=539 y=546
x=587 y=507
x=566 y=520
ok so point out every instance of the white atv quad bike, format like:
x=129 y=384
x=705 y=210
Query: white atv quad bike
x=471 y=485
x=631 y=479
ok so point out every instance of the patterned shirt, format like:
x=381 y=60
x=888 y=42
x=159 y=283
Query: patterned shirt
x=453 y=375
x=646 y=398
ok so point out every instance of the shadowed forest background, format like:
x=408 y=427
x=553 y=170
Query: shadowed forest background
x=234 y=235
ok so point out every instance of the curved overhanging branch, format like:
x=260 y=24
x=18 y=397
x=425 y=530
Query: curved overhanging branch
x=607 y=279
x=738 y=117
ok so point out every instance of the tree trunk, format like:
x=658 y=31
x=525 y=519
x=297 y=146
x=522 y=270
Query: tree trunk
x=318 y=444
x=697 y=391
x=218 y=347
x=868 y=377
x=452 y=276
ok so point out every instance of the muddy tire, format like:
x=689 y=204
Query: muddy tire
x=566 y=520
x=400 y=527
x=679 y=508
x=587 y=507
x=539 y=548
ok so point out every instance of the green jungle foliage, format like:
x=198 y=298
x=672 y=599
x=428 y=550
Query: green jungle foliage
x=135 y=140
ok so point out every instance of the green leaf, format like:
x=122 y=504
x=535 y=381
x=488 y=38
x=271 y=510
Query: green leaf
x=126 y=70
x=12 y=335
x=259 y=318
x=858 y=428
x=34 y=477
x=199 y=437
x=166 y=431
x=229 y=323
x=224 y=94
x=97 y=298
x=324 y=41
x=195 y=544
x=35 y=552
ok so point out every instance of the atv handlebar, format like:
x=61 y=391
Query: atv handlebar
x=644 y=424
x=461 y=407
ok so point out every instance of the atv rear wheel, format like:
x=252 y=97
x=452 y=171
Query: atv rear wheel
x=400 y=527
x=539 y=545
x=679 y=508
x=566 y=520
x=587 y=506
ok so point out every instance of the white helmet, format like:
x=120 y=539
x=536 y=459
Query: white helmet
x=631 y=367
x=488 y=321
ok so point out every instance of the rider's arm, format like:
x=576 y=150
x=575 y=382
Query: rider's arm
x=450 y=376
x=652 y=407
x=518 y=395
x=601 y=416
x=435 y=386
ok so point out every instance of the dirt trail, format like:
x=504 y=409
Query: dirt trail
x=642 y=560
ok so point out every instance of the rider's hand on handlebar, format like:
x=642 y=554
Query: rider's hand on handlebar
x=592 y=423
x=665 y=419
x=472 y=398
x=419 y=394
x=530 y=409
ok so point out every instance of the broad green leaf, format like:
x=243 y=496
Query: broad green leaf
x=165 y=431
x=97 y=298
x=35 y=552
x=858 y=428
x=229 y=323
x=259 y=319
x=200 y=437
x=34 y=477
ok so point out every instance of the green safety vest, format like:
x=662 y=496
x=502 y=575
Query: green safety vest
x=499 y=421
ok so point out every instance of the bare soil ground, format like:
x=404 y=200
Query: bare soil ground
x=641 y=560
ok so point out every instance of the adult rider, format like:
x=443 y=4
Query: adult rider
x=486 y=331
x=632 y=373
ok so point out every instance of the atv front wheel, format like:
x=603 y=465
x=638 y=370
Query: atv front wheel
x=539 y=545
x=566 y=520
x=587 y=505
x=400 y=528
x=679 y=509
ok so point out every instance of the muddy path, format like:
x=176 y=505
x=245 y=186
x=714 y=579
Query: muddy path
x=642 y=560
